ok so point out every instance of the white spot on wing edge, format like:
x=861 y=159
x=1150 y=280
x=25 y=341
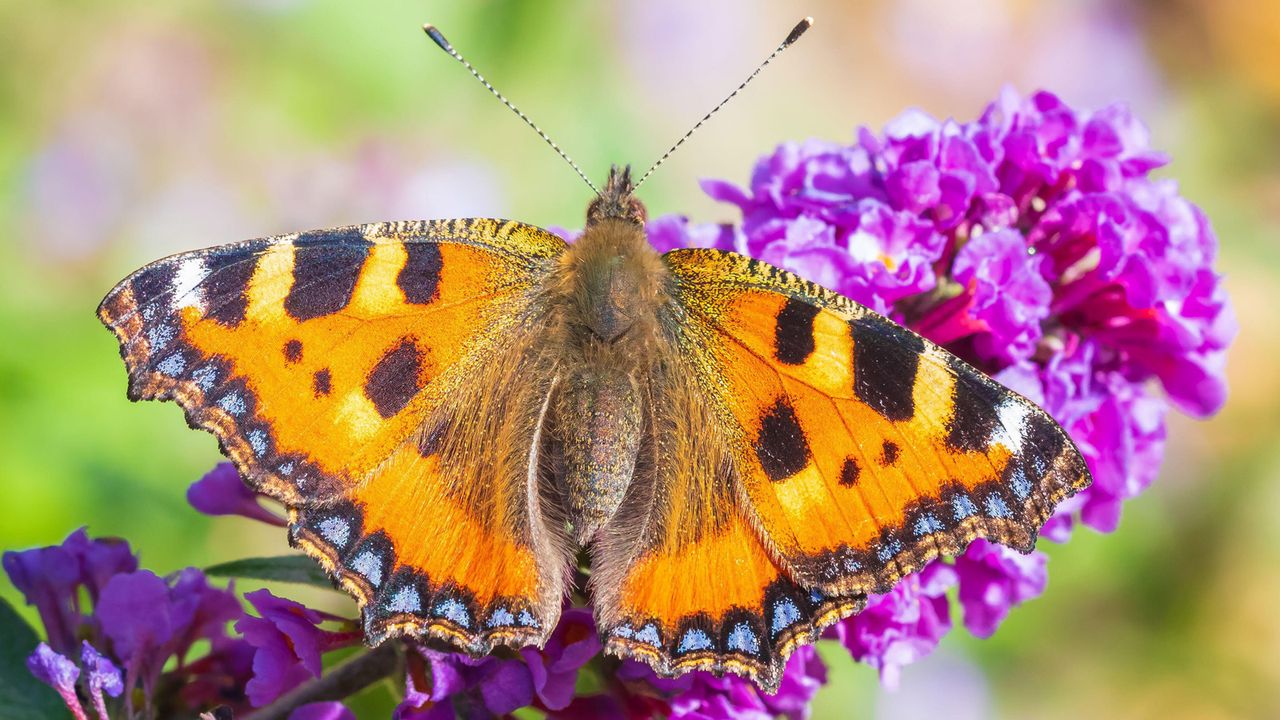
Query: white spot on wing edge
x=186 y=284
x=1012 y=426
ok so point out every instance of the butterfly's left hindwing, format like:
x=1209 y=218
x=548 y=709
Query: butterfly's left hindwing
x=861 y=450
x=336 y=368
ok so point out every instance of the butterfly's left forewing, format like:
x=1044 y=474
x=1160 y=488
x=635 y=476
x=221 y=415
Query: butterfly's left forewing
x=364 y=376
x=861 y=450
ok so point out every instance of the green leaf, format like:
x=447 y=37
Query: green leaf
x=284 y=568
x=22 y=696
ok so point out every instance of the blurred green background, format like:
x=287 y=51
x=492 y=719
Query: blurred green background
x=130 y=130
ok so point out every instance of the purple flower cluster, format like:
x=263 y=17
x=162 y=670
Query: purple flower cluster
x=1032 y=242
x=134 y=625
x=139 y=636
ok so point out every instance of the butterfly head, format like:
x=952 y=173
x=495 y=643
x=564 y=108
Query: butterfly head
x=617 y=200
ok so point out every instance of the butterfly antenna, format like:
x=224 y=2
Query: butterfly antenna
x=440 y=40
x=793 y=36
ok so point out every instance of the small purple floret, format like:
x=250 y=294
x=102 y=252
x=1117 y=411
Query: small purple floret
x=222 y=492
x=288 y=644
x=58 y=672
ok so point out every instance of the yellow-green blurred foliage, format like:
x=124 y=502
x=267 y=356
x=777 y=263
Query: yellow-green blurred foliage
x=131 y=129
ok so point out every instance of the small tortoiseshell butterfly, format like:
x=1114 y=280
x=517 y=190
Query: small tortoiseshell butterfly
x=452 y=409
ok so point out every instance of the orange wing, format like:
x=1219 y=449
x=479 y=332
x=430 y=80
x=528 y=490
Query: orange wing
x=681 y=579
x=861 y=450
x=331 y=366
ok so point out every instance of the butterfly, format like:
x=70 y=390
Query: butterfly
x=453 y=410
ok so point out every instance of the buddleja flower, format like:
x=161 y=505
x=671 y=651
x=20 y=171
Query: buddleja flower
x=1033 y=243
x=137 y=632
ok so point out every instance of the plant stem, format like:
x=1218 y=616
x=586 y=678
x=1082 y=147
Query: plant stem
x=340 y=682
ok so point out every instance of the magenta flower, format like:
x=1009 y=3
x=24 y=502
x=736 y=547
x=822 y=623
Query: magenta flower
x=1004 y=293
x=702 y=696
x=1033 y=243
x=901 y=626
x=993 y=579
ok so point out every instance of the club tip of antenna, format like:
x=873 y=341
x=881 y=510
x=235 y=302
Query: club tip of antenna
x=798 y=30
x=436 y=36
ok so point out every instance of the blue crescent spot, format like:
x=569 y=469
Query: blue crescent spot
x=527 y=619
x=336 y=530
x=927 y=524
x=963 y=507
x=172 y=365
x=1038 y=462
x=369 y=565
x=454 y=611
x=258 y=441
x=996 y=506
x=206 y=376
x=743 y=639
x=160 y=335
x=1019 y=483
x=405 y=600
x=286 y=468
x=232 y=403
x=889 y=550
x=785 y=614
x=501 y=617
x=694 y=640
x=623 y=631
x=649 y=635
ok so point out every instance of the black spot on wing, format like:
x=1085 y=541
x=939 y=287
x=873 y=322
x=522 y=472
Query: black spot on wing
x=886 y=357
x=293 y=351
x=782 y=447
x=226 y=289
x=419 y=279
x=849 y=472
x=321 y=382
x=793 y=340
x=395 y=379
x=889 y=453
x=975 y=411
x=326 y=266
